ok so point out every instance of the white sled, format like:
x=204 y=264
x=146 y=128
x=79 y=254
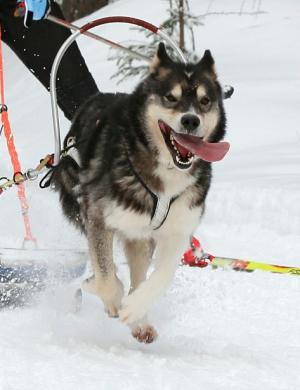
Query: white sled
x=24 y=272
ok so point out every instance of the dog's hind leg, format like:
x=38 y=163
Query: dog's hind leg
x=138 y=254
x=105 y=282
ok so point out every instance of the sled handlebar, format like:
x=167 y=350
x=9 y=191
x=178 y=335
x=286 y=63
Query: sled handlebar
x=83 y=30
x=97 y=37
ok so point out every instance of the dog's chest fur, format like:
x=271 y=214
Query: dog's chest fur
x=133 y=224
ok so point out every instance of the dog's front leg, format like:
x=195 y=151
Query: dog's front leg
x=169 y=251
x=104 y=282
x=138 y=254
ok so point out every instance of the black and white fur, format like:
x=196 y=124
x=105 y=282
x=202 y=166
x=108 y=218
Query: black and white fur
x=121 y=146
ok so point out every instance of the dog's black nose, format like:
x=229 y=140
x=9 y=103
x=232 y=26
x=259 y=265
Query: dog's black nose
x=190 y=122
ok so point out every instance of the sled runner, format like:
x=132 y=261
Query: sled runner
x=25 y=272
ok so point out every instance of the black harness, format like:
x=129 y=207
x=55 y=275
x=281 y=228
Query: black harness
x=161 y=204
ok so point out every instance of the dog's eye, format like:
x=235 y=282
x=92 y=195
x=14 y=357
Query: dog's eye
x=204 y=101
x=170 y=98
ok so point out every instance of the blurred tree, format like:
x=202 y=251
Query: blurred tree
x=179 y=25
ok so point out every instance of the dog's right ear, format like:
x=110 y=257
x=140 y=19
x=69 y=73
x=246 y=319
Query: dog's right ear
x=161 y=61
x=207 y=64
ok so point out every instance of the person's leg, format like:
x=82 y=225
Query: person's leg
x=37 y=48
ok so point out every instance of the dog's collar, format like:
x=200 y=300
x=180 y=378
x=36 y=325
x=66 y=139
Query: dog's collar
x=161 y=204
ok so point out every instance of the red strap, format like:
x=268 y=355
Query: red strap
x=13 y=153
x=119 y=19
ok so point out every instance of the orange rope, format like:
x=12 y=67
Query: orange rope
x=14 y=155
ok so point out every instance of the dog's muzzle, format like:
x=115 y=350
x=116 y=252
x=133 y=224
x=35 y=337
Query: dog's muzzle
x=184 y=147
x=190 y=123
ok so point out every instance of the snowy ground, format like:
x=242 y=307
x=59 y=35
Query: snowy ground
x=217 y=329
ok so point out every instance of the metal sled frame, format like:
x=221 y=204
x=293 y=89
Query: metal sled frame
x=67 y=44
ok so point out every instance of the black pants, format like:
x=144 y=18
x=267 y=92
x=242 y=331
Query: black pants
x=37 y=47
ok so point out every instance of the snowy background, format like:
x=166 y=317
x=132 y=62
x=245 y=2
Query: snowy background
x=217 y=329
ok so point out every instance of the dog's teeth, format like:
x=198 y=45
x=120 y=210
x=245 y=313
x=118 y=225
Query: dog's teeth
x=187 y=162
x=191 y=158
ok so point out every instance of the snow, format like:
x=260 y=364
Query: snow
x=217 y=329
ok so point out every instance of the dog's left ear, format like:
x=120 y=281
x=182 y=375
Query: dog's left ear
x=161 y=61
x=207 y=64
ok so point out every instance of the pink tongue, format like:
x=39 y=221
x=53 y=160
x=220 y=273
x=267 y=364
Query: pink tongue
x=205 y=150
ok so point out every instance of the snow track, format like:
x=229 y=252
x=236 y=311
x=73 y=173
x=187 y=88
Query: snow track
x=219 y=329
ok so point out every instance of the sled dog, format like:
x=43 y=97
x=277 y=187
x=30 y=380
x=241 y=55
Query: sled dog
x=138 y=166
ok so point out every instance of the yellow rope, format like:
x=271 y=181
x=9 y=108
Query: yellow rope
x=21 y=177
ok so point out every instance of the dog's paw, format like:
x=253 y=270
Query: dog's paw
x=144 y=333
x=133 y=308
x=111 y=294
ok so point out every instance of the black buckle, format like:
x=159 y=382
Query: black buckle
x=3 y=107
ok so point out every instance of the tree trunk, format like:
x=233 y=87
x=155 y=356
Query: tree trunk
x=75 y=9
x=181 y=25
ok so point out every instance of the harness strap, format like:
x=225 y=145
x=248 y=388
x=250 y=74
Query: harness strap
x=161 y=204
x=72 y=151
x=161 y=211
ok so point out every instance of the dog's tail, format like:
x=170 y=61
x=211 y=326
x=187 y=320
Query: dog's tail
x=65 y=180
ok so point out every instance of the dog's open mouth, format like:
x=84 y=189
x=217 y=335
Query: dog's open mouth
x=184 y=147
x=182 y=156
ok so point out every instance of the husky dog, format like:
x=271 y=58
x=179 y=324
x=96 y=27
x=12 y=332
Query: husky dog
x=141 y=168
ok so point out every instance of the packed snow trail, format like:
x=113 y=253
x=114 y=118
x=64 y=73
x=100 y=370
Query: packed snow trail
x=221 y=330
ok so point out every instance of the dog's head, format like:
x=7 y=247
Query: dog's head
x=184 y=109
